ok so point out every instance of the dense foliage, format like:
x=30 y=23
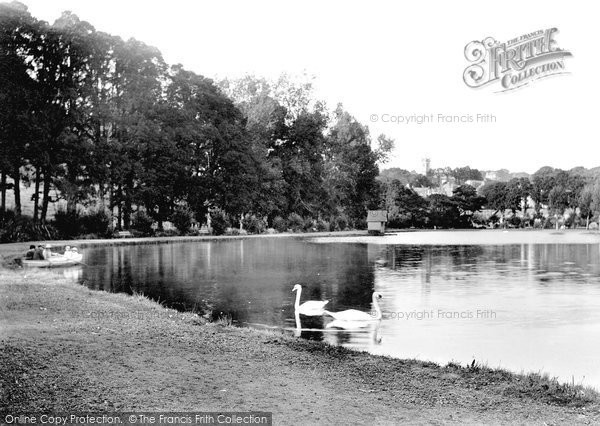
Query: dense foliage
x=549 y=198
x=127 y=141
x=106 y=124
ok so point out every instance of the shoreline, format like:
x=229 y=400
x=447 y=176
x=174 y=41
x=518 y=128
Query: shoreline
x=392 y=236
x=108 y=352
x=10 y=250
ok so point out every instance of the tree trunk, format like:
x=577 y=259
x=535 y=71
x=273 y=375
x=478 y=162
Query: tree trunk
x=102 y=204
x=587 y=222
x=119 y=209
x=127 y=211
x=2 y=192
x=17 y=190
x=46 y=194
x=36 y=195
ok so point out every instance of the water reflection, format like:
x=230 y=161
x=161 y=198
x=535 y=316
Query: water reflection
x=524 y=307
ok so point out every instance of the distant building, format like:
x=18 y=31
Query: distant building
x=376 y=220
x=426 y=166
x=501 y=175
x=475 y=183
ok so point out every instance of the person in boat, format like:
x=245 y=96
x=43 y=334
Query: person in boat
x=30 y=252
x=38 y=254
x=68 y=253
x=48 y=252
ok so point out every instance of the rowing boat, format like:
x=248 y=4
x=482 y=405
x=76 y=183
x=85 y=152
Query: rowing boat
x=54 y=261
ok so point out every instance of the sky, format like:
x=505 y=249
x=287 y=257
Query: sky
x=384 y=60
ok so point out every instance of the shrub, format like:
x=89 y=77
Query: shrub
x=549 y=223
x=339 y=223
x=96 y=222
x=309 y=225
x=322 y=226
x=280 y=224
x=570 y=220
x=295 y=222
x=167 y=233
x=219 y=221
x=232 y=231
x=361 y=223
x=24 y=229
x=195 y=232
x=142 y=223
x=515 y=221
x=67 y=223
x=253 y=224
x=182 y=219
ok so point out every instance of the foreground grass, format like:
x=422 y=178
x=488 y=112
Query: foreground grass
x=66 y=348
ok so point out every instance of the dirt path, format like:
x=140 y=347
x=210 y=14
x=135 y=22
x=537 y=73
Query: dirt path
x=66 y=348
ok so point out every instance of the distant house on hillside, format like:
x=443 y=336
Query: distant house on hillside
x=475 y=183
x=501 y=175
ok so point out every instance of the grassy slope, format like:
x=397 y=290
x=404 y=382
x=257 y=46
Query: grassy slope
x=64 y=348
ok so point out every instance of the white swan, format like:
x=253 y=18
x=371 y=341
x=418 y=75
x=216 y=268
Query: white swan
x=358 y=318
x=310 y=307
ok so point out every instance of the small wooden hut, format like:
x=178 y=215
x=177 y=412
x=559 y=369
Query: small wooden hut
x=376 y=220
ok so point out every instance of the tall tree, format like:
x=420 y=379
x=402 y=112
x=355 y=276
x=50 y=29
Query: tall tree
x=468 y=202
x=18 y=93
x=496 y=196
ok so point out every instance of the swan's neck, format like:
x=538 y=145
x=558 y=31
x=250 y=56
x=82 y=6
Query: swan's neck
x=377 y=308
x=297 y=304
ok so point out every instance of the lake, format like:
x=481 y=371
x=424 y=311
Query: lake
x=524 y=307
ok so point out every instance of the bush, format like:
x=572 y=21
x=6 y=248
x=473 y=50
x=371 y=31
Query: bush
x=232 y=231
x=14 y=230
x=339 y=223
x=88 y=237
x=309 y=225
x=219 y=221
x=97 y=222
x=280 y=224
x=182 y=219
x=253 y=224
x=295 y=222
x=515 y=221
x=167 y=233
x=195 y=232
x=322 y=226
x=570 y=221
x=67 y=223
x=142 y=223
x=361 y=223
x=549 y=223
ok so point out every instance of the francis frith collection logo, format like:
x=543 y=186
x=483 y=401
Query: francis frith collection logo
x=514 y=63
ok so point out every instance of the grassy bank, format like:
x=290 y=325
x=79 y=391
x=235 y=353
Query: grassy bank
x=66 y=348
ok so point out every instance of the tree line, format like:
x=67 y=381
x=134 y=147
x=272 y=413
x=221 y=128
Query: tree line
x=108 y=125
x=549 y=198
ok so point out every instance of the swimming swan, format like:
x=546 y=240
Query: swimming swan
x=310 y=307
x=353 y=315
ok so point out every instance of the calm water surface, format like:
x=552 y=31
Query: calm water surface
x=530 y=307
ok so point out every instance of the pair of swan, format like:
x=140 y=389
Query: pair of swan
x=350 y=318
